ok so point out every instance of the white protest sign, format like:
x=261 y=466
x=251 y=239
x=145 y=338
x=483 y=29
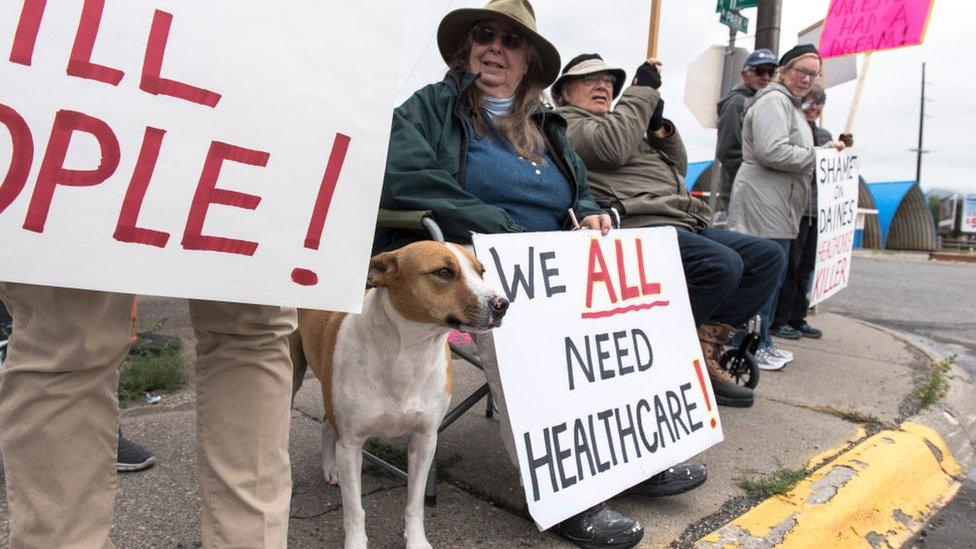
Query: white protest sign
x=836 y=176
x=600 y=362
x=230 y=150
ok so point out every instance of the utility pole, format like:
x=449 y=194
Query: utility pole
x=921 y=124
x=767 y=25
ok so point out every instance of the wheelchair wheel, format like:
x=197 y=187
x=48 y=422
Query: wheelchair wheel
x=742 y=367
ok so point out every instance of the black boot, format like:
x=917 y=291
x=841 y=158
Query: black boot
x=730 y=394
x=600 y=527
x=713 y=338
x=672 y=481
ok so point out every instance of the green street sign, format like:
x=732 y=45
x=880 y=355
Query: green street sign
x=734 y=20
x=729 y=5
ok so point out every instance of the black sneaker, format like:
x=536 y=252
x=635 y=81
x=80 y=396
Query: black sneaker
x=671 y=482
x=600 y=527
x=132 y=457
x=785 y=331
x=807 y=330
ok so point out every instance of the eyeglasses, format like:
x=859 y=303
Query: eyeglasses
x=803 y=73
x=599 y=78
x=485 y=34
x=763 y=71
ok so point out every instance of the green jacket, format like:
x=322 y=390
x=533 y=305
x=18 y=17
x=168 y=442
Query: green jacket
x=643 y=176
x=425 y=166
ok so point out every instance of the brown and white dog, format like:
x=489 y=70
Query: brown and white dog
x=387 y=372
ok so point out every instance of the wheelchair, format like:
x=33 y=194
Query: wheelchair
x=740 y=362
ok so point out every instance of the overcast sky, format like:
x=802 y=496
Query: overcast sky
x=885 y=128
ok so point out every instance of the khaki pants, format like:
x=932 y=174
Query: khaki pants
x=59 y=415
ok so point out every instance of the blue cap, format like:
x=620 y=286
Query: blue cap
x=761 y=56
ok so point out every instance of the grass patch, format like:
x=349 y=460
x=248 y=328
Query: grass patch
x=780 y=481
x=854 y=416
x=162 y=371
x=935 y=385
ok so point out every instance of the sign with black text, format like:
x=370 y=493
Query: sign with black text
x=600 y=362
x=836 y=175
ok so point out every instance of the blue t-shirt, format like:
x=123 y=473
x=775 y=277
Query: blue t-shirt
x=535 y=194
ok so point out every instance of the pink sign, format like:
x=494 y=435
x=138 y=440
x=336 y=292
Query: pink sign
x=857 y=26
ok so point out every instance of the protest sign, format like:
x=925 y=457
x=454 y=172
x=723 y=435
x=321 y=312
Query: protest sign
x=600 y=362
x=229 y=150
x=834 y=71
x=836 y=176
x=857 y=26
x=968 y=224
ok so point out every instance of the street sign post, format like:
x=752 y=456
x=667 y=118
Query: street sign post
x=734 y=20
x=729 y=5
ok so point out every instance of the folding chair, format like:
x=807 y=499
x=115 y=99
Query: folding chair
x=422 y=222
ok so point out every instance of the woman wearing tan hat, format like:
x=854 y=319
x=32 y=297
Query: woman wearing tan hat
x=482 y=153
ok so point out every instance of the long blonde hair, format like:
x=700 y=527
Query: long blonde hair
x=516 y=126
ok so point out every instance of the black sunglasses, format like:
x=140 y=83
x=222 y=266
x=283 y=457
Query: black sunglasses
x=484 y=34
x=762 y=71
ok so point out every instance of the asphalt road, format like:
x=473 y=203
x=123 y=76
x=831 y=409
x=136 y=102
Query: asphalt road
x=932 y=300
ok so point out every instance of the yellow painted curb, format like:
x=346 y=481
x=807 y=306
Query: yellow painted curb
x=880 y=491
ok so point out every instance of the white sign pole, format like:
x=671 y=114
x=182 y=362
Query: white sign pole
x=836 y=178
x=600 y=362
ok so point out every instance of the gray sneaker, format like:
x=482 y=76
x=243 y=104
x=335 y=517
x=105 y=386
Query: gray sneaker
x=132 y=457
x=767 y=361
x=780 y=353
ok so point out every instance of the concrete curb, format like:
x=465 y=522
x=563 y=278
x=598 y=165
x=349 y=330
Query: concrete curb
x=881 y=491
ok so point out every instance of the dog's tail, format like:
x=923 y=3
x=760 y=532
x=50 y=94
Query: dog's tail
x=298 y=363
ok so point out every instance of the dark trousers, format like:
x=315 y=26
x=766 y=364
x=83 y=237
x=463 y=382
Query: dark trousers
x=730 y=276
x=793 y=301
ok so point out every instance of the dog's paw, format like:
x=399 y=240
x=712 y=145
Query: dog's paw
x=332 y=477
x=418 y=544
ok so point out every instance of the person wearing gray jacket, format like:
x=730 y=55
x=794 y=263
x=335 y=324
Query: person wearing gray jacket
x=772 y=187
x=757 y=72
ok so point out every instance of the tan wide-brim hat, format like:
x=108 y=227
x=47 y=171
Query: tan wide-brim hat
x=455 y=26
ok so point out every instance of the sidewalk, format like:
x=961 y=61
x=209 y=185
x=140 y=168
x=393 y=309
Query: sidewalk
x=802 y=418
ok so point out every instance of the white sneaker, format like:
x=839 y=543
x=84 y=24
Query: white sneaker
x=766 y=361
x=781 y=353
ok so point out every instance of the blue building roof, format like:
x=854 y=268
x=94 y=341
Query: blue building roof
x=695 y=170
x=887 y=197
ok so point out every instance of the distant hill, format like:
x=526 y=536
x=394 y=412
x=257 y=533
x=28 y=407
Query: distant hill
x=941 y=192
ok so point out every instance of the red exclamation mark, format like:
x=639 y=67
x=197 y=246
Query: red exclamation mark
x=305 y=277
x=701 y=383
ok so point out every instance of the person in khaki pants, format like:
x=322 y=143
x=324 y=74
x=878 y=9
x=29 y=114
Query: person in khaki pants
x=59 y=412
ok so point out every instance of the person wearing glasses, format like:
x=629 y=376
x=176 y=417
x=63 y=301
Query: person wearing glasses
x=790 y=321
x=757 y=72
x=772 y=187
x=636 y=159
x=483 y=153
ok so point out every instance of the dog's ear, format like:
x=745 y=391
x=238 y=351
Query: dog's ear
x=382 y=269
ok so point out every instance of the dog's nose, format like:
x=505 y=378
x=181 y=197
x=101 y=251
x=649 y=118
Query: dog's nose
x=499 y=305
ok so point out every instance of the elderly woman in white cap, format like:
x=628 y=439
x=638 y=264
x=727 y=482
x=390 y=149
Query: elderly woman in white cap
x=482 y=153
x=636 y=159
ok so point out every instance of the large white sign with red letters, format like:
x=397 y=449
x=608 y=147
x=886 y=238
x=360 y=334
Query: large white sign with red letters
x=600 y=362
x=229 y=149
x=836 y=176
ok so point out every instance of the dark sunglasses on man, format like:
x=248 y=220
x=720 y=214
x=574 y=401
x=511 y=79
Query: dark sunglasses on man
x=485 y=34
x=763 y=71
